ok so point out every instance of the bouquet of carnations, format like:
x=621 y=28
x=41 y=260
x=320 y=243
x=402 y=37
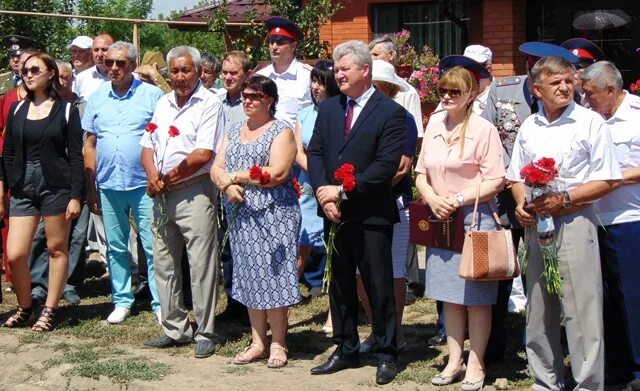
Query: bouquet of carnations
x=345 y=175
x=538 y=176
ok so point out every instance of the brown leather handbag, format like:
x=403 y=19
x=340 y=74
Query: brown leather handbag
x=488 y=255
x=427 y=230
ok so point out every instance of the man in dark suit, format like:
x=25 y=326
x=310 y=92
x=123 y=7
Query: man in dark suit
x=366 y=129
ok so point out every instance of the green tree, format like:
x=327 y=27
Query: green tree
x=133 y=9
x=310 y=16
x=50 y=34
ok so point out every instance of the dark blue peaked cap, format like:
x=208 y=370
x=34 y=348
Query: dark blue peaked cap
x=468 y=63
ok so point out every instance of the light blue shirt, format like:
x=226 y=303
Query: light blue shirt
x=119 y=123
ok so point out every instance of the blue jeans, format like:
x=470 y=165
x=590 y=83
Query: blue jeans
x=39 y=258
x=116 y=206
x=621 y=295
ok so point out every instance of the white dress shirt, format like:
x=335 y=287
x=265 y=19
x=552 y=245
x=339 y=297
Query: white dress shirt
x=294 y=90
x=578 y=140
x=360 y=102
x=88 y=81
x=411 y=102
x=623 y=204
x=200 y=123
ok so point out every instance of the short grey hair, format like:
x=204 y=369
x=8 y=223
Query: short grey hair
x=551 y=65
x=357 y=49
x=132 y=53
x=387 y=44
x=602 y=74
x=61 y=63
x=182 y=51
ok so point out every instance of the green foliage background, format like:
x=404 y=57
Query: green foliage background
x=53 y=34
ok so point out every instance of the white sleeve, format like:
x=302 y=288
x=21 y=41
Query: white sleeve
x=603 y=163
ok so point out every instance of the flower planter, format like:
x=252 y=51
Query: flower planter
x=427 y=109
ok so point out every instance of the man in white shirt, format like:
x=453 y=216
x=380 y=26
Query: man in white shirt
x=178 y=150
x=81 y=53
x=293 y=78
x=619 y=212
x=580 y=143
x=88 y=81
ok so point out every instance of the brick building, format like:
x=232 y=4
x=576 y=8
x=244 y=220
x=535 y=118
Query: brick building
x=449 y=25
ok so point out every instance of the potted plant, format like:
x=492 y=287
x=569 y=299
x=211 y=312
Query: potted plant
x=407 y=55
x=425 y=79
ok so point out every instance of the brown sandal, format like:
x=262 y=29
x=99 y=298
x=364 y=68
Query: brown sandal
x=272 y=361
x=45 y=321
x=21 y=318
x=239 y=361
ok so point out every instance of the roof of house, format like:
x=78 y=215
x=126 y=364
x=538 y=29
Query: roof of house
x=235 y=8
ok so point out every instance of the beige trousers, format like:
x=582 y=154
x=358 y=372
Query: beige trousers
x=187 y=217
x=579 y=308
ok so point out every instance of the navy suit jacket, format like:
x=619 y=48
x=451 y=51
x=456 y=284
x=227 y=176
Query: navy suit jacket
x=374 y=146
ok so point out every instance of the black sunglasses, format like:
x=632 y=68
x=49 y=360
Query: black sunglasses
x=35 y=70
x=253 y=96
x=279 y=40
x=453 y=93
x=119 y=63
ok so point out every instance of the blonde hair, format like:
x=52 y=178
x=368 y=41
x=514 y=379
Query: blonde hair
x=463 y=80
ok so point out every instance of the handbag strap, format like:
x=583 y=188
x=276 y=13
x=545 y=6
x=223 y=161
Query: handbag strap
x=494 y=213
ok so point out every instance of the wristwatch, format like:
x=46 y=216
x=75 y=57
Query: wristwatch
x=566 y=202
x=460 y=199
x=232 y=176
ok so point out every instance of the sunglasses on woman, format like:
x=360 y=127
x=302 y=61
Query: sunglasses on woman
x=119 y=63
x=253 y=96
x=35 y=70
x=453 y=93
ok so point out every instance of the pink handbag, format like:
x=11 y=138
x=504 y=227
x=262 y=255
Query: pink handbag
x=488 y=255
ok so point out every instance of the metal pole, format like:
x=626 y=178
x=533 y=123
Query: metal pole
x=168 y=22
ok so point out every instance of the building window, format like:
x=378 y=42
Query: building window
x=441 y=25
x=614 y=27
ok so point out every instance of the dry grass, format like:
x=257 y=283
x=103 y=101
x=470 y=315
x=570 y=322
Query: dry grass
x=91 y=340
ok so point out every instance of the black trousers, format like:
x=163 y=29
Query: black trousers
x=367 y=247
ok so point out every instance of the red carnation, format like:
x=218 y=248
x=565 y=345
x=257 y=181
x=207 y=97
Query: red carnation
x=255 y=172
x=151 y=127
x=296 y=186
x=344 y=174
x=539 y=173
x=173 y=131
x=265 y=178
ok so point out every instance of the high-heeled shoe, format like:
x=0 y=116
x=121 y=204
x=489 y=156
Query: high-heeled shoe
x=472 y=386
x=442 y=380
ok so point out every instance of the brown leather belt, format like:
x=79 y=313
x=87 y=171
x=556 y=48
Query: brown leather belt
x=186 y=183
x=573 y=209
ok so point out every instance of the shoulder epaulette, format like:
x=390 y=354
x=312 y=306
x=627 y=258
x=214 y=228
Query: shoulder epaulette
x=510 y=81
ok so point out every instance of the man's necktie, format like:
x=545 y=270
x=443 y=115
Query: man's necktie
x=349 y=118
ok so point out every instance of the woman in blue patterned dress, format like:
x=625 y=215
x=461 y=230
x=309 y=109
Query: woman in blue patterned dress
x=264 y=218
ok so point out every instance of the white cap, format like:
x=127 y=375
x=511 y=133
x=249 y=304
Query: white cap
x=383 y=71
x=81 y=41
x=479 y=53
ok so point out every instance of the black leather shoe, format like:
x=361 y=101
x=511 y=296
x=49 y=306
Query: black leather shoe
x=162 y=342
x=437 y=340
x=387 y=371
x=334 y=364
